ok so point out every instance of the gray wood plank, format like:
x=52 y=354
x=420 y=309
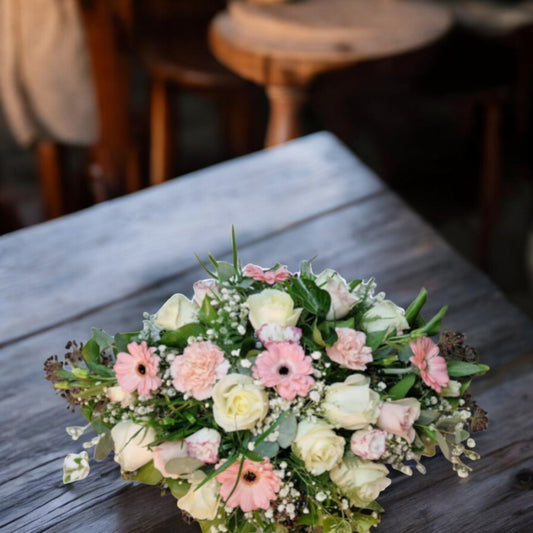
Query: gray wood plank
x=55 y=271
x=377 y=236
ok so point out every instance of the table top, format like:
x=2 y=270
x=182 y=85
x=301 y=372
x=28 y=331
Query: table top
x=259 y=41
x=104 y=266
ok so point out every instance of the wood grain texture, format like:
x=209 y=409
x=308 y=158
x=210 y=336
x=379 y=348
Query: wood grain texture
x=372 y=233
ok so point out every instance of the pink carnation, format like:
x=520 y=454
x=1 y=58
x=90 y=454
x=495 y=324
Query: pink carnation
x=433 y=369
x=256 y=487
x=285 y=367
x=350 y=350
x=204 y=445
x=268 y=276
x=137 y=369
x=369 y=444
x=197 y=370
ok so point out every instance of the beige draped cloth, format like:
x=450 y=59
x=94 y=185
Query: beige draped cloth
x=46 y=90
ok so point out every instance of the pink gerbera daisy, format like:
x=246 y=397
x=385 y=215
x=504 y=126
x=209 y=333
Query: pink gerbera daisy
x=254 y=489
x=285 y=367
x=137 y=369
x=433 y=370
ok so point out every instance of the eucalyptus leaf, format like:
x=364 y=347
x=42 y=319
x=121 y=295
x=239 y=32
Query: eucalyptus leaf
x=104 y=447
x=178 y=487
x=287 y=431
x=103 y=339
x=405 y=353
x=148 y=474
x=427 y=416
x=266 y=449
x=225 y=271
x=443 y=445
x=121 y=341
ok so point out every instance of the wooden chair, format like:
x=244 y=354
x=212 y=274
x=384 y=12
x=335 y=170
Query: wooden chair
x=172 y=44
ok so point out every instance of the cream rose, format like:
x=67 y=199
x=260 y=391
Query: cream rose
x=397 y=417
x=318 y=445
x=238 y=403
x=202 y=503
x=361 y=481
x=342 y=300
x=176 y=312
x=131 y=444
x=173 y=460
x=117 y=394
x=384 y=316
x=272 y=307
x=351 y=404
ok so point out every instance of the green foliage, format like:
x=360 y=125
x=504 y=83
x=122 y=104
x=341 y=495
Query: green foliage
x=460 y=369
x=104 y=447
x=414 y=309
x=374 y=339
x=148 y=474
x=178 y=338
x=401 y=388
x=121 y=341
x=103 y=339
x=306 y=294
x=334 y=524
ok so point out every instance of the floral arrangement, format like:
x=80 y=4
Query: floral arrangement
x=274 y=401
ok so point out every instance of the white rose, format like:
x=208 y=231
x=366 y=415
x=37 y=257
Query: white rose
x=202 y=288
x=385 y=316
x=173 y=460
x=176 y=312
x=238 y=403
x=202 y=503
x=342 y=300
x=272 y=307
x=351 y=404
x=318 y=445
x=361 y=481
x=452 y=390
x=131 y=442
x=118 y=395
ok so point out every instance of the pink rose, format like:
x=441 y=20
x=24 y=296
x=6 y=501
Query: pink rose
x=397 y=417
x=268 y=276
x=369 y=444
x=203 y=288
x=350 y=350
x=198 y=369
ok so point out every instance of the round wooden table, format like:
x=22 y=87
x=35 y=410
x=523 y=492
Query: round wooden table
x=286 y=46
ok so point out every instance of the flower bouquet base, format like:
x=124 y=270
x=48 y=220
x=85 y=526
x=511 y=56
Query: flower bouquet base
x=274 y=401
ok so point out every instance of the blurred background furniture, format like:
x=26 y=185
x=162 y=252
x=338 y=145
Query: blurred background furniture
x=284 y=47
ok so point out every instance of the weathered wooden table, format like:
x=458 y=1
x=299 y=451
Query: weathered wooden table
x=104 y=266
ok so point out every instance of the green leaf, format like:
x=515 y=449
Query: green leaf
x=104 y=447
x=234 y=249
x=178 y=338
x=329 y=335
x=348 y=323
x=98 y=425
x=333 y=524
x=317 y=336
x=305 y=293
x=148 y=474
x=121 y=341
x=225 y=271
x=178 y=487
x=362 y=523
x=87 y=411
x=401 y=388
x=91 y=352
x=306 y=272
x=103 y=339
x=354 y=283
x=207 y=312
x=434 y=325
x=374 y=339
x=416 y=306
x=459 y=369
x=405 y=353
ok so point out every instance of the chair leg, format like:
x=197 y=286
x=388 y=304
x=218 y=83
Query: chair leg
x=160 y=133
x=237 y=116
x=49 y=168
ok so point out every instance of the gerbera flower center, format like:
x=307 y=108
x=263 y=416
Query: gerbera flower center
x=283 y=370
x=141 y=369
x=249 y=477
